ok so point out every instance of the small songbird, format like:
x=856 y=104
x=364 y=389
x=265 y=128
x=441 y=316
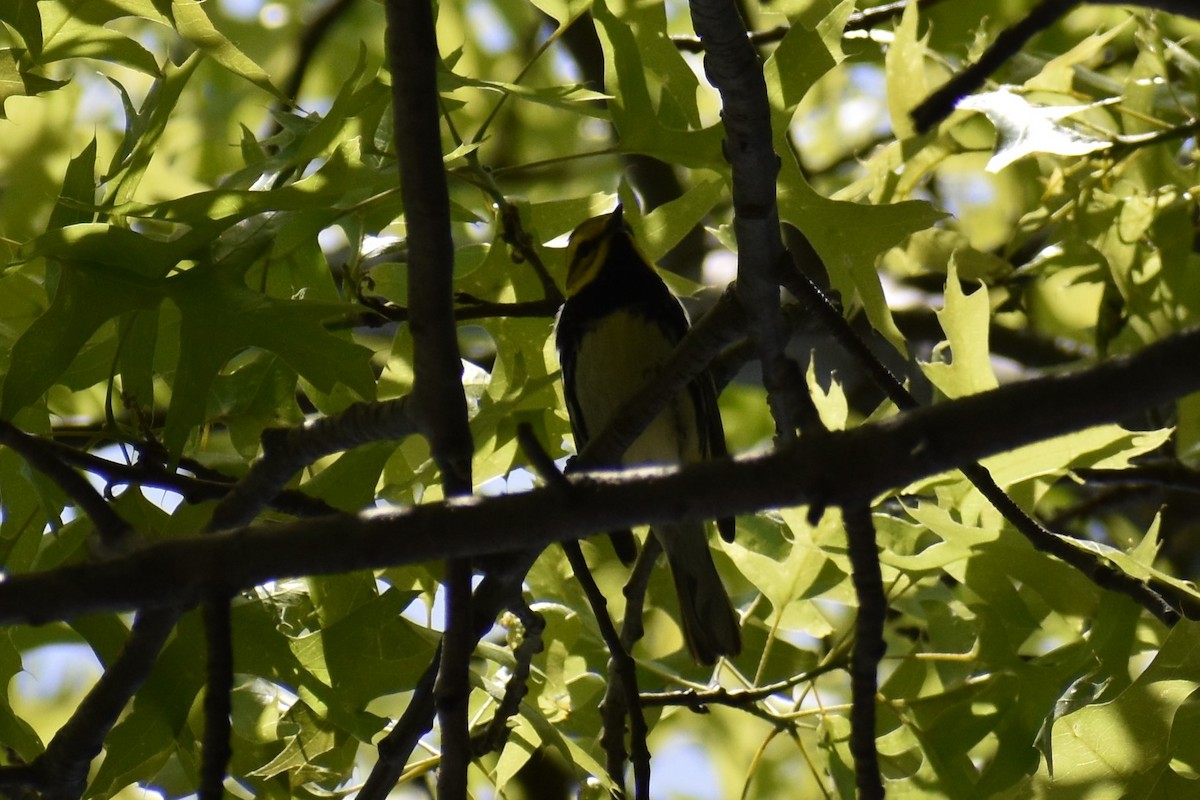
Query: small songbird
x=619 y=324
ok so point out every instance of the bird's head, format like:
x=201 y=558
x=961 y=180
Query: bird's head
x=590 y=246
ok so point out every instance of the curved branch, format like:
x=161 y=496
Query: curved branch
x=111 y=528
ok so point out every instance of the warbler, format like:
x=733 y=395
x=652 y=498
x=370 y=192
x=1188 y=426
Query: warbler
x=618 y=325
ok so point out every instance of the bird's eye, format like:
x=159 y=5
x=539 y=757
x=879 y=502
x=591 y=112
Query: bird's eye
x=585 y=249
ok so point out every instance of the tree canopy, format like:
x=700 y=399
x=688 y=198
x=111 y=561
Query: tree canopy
x=282 y=437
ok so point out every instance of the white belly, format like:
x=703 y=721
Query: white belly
x=614 y=360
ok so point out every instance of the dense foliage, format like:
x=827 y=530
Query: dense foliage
x=204 y=240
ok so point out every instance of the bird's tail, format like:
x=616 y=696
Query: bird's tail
x=710 y=625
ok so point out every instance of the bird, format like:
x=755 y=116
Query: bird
x=618 y=325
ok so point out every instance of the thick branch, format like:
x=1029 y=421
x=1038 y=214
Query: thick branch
x=286 y=451
x=834 y=468
x=734 y=69
x=437 y=365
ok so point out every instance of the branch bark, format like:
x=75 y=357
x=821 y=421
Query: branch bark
x=733 y=67
x=412 y=50
x=832 y=469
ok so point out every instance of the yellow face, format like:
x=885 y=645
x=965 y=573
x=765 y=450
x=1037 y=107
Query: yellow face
x=589 y=248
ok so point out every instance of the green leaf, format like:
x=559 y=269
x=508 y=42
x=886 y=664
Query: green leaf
x=88 y=295
x=633 y=113
x=850 y=238
x=24 y=18
x=571 y=97
x=965 y=319
x=17 y=78
x=193 y=24
x=666 y=226
x=349 y=483
x=77 y=197
x=221 y=317
x=905 y=66
x=17 y=734
x=1109 y=743
x=1082 y=692
x=144 y=131
x=78 y=29
x=800 y=59
x=371 y=652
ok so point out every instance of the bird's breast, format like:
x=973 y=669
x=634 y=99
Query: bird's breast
x=615 y=357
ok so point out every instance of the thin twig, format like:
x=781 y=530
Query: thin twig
x=941 y=102
x=698 y=700
x=499 y=589
x=1163 y=475
x=622 y=698
x=113 y=531
x=621 y=694
x=635 y=592
x=857 y=21
x=471 y=308
x=1101 y=573
x=493 y=739
x=518 y=238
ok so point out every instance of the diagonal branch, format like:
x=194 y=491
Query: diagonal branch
x=831 y=468
x=938 y=105
x=1040 y=537
x=112 y=530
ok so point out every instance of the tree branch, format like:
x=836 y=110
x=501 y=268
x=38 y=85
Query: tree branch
x=833 y=468
x=868 y=647
x=286 y=451
x=218 y=697
x=437 y=366
x=857 y=21
x=1088 y=563
x=113 y=531
x=941 y=103
x=62 y=770
x=733 y=67
x=496 y=735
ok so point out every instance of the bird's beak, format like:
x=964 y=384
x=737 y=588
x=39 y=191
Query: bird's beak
x=616 y=220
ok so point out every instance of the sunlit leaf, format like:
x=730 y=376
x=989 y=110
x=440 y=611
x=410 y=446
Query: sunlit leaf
x=17 y=78
x=1023 y=128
